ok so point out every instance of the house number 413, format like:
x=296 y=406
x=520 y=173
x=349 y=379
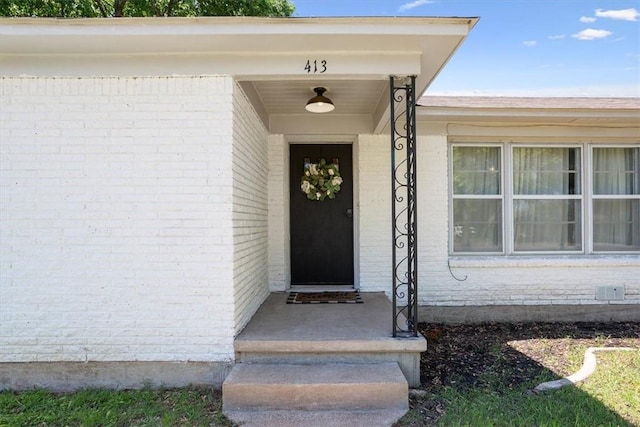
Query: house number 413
x=315 y=66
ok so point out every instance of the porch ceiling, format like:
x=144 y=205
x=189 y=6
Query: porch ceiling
x=349 y=96
x=360 y=104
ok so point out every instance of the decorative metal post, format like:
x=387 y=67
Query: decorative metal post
x=403 y=206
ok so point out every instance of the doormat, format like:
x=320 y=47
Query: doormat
x=352 y=297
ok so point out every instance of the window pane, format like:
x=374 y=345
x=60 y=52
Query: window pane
x=549 y=171
x=476 y=170
x=547 y=225
x=616 y=171
x=477 y=225
x=616 y=225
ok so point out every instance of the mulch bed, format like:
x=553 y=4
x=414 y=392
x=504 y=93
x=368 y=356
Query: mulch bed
x=502 y=357
x=515 y=353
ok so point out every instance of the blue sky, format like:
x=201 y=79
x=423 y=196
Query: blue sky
x=525 y=47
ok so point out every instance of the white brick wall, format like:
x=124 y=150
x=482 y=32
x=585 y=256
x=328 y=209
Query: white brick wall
x=116 y=229
x=541 y=280
x=544 y=281
x=137 y=223
x=279 y=272
x=250 y=210
x=533 y=280
x=374 y=208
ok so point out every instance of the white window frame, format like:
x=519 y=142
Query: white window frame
x=500 y=197
x=507 y=197
x=511 y=198
x=592 y=196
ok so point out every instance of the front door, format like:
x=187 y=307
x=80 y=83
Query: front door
x=321 y=230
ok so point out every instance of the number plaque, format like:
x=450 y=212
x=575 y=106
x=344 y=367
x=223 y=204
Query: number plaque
x=316 y=66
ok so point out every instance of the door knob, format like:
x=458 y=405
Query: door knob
x=349 y=213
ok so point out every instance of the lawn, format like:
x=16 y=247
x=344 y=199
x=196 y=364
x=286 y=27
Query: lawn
x=180 y=407
x=472 y=375
x=483 y=375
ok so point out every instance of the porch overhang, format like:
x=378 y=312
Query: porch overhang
x=465 y=118
x=623 y=112
x=353 y=57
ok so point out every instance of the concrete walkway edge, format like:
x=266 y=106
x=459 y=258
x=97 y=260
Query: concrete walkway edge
x=588 y=367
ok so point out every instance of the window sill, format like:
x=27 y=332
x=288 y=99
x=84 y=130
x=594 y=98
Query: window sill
x=521 y=261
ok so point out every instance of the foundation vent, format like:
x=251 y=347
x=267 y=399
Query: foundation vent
x=610 y=293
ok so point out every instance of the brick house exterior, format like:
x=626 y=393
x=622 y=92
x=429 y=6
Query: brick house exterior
x=145 y=209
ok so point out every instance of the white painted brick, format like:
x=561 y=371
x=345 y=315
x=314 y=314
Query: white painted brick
x=90 y=268
x=250 y=210
x=374 y=181
x=538 y=281
x=500 y=280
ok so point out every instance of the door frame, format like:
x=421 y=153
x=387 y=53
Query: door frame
x=351 y=140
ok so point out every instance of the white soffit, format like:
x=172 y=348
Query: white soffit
x=352 y=57
x=349 y=96
x=220 y=34
x=248 y=48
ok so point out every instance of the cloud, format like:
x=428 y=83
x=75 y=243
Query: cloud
x=620 y=14
x=587 y=19
x=530 y=43
x=556 y=37
x=591 y=34
x=413 y=4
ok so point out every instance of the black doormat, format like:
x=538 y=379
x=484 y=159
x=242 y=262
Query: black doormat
x=351 y=297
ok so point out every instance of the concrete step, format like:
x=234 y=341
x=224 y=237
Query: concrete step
x=332 y=387
x=378 y=418
x=281 y=333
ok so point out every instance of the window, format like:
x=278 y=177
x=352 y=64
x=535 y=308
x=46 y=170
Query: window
x=616 y=198
x=518 y=198
x=547 y=202
x=477 y=199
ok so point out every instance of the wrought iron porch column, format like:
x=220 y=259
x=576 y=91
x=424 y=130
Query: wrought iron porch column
x=403 y=206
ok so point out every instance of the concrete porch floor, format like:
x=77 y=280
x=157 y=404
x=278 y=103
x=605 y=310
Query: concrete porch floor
x=343 y=333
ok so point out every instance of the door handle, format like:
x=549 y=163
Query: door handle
x=349 y=213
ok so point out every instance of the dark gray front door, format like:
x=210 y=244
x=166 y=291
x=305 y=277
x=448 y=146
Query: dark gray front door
x=321 y=231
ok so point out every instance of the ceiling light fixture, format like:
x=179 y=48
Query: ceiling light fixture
x=320 y=103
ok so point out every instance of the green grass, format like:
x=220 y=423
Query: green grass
x=180 y=407
x=607 y=398
x=565 y=407
x=616 y=383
